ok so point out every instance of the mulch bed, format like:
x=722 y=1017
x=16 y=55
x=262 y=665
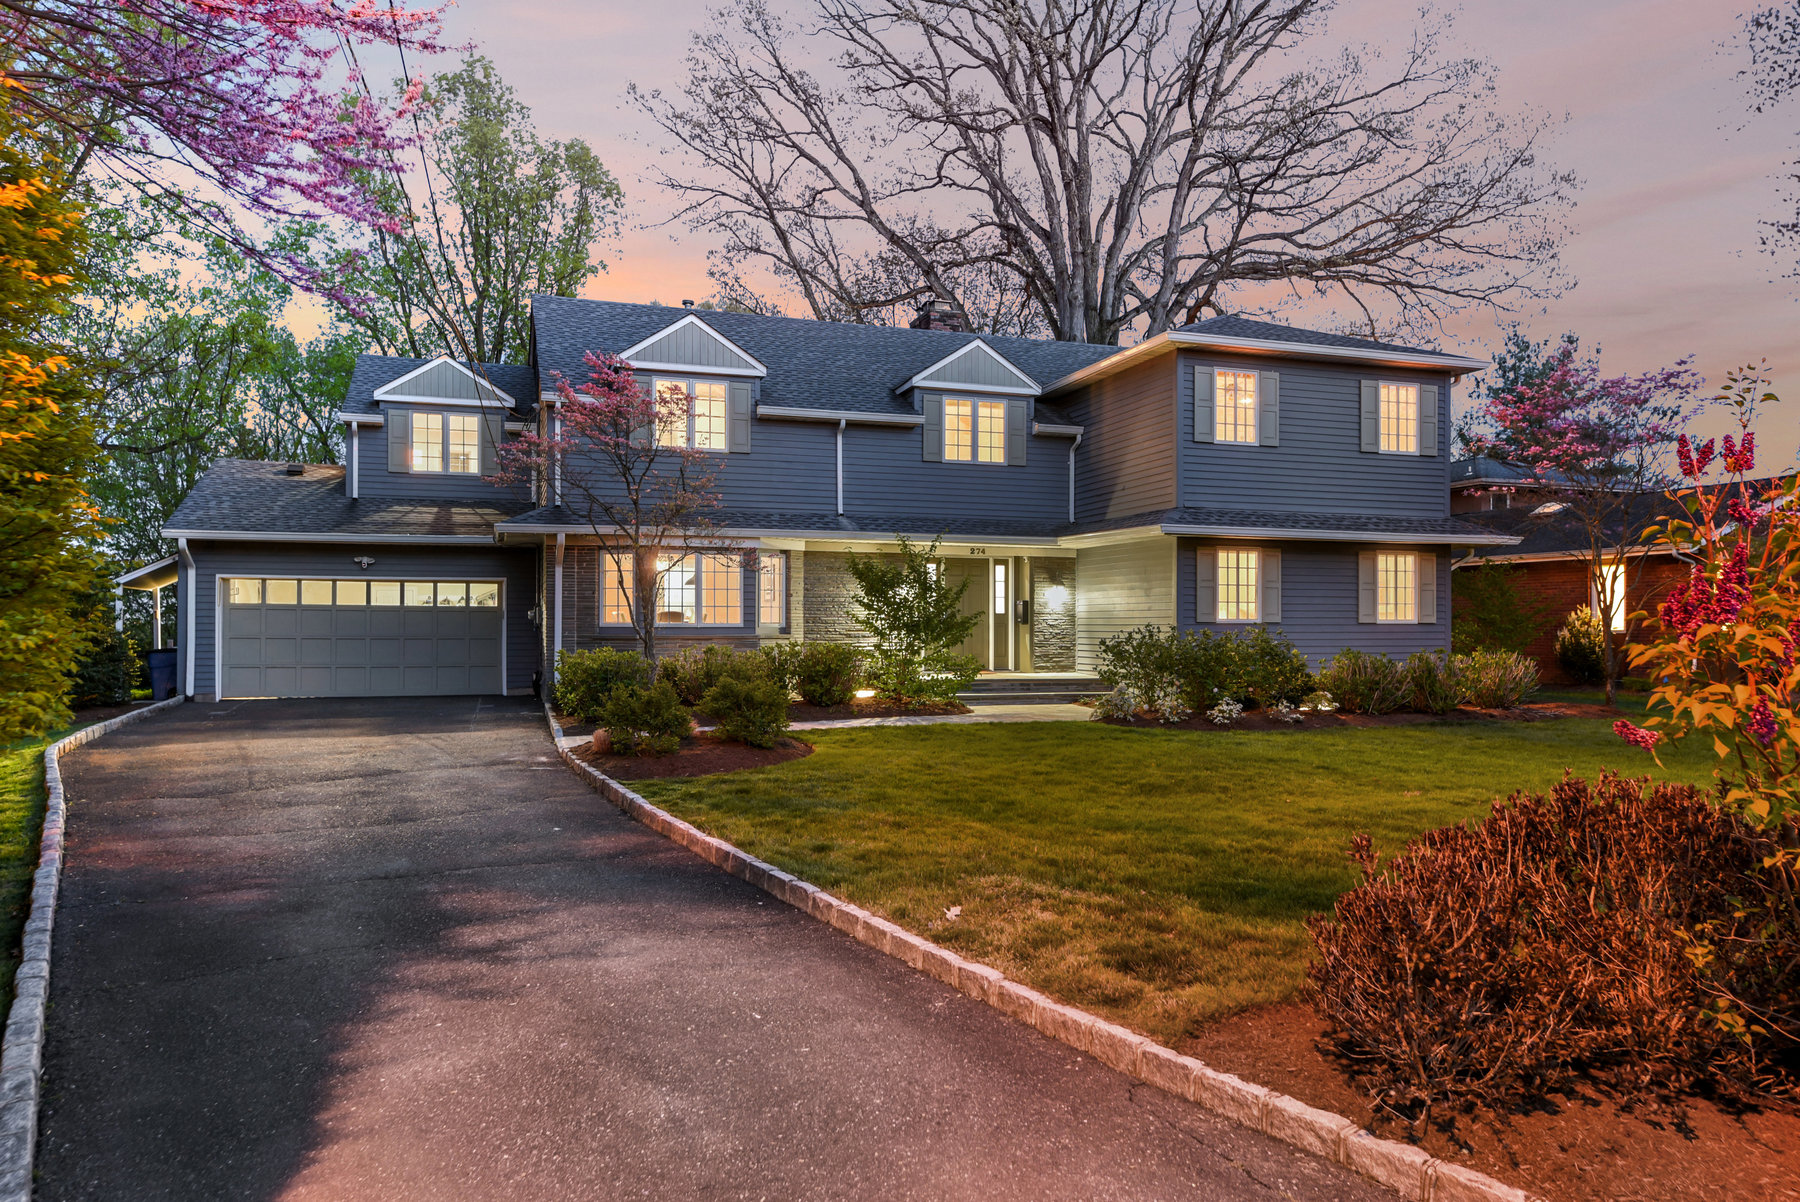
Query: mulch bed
x=869 y=707
x=699 y=755
x=1583 y=1147
x=1535 y=711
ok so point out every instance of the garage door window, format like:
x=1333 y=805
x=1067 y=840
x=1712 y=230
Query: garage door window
x=418 y=594
x=353 y=592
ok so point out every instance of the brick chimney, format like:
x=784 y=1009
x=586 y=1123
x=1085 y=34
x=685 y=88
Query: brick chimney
x=937 y=315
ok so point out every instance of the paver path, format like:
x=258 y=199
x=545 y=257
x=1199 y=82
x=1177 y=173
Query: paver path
x=394 y=950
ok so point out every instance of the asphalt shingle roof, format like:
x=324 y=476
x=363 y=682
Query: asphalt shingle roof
x=372 y=371
x=1244 y=327
x=811 y=364
x=250 y=496
x=1374 y=526
x=830 y=523
x=1560 y=530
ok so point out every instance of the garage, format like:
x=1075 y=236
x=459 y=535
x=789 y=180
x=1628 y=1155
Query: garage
x=287 y=637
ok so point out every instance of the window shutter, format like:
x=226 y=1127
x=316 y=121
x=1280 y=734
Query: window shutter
x=934 y=428
x=1365 y=586
x=1268 y=418
x=1017 y=428
x=1427 y=607
x=1206 y=584
x=399 y=438
x=1203 y=404
x=1269 y=562
x=491 y=426
x=1428 y=419
x=737 y=416
x=1371 y=418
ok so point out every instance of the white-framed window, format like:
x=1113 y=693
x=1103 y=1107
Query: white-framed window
x=427 y=442
x=690 y=413
x=446 y=442
x=1609 y=596
x=701 y=589
x=464 y=436
x=1400 y=419
x=974 y=431
x=1234 y=406
x=1239 y=585
x=616 y=590
x=1396 y=586
x=418 y=594
x=771 y=588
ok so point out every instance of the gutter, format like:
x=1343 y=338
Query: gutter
x=1341 y=536
x=288 y=536
x=841 y=416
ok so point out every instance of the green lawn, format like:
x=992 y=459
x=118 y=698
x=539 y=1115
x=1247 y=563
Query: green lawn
x=1159 y=877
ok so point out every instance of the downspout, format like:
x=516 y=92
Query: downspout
x=1072 y=448
x=355 y=430
x=840 y=466
x=557 y=609
x=187 y=613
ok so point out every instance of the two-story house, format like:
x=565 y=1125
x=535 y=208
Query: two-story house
x=1223 y=475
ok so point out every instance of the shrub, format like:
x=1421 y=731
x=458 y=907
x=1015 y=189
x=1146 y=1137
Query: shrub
x=1623 y=929
x=1266 y=668
x=1205 y=667
x=1121 y=702
x=1142 y=660
x=585 y=679
x=1318 y=702
x=1364 y=683
x=1498 y=679
x=693 y=671
x=1581 y=648
x=1491 y=612
x=751 y=706
x=914 y=619
x=1435 y=680
x=783 y=661
x=645 y=721
x=105 y=669
x=1225 y=713
x=827 y=674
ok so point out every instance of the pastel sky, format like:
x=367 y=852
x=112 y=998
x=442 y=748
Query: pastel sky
x=1677 y=171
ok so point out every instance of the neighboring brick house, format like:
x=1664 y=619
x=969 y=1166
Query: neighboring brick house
x=1225 y=475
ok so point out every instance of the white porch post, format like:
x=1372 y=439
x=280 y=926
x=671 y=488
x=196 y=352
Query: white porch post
x=156 y=623
x=557 y=608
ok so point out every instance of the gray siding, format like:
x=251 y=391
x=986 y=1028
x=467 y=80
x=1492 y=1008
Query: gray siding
x=1052 y=628
x=1123 y=586
x=977 y=367
x=445 y=381
x=694 y=347
x=374 y=480
x=518 y=568
x=1318 y=602
x=885 y=473
x=1319 y=466
x=1126 y=463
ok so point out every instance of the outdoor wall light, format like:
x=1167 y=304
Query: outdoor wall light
x=1056 y=596
x=364 y=561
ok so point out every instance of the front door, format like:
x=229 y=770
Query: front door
x=988 y=599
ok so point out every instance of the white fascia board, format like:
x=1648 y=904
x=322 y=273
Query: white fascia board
x=359 y=419
x=1343 y=536
x=163 y=568
x=290 y=536
x=382 y=393
x=1424 y=360
x=1102 y=538
x=1052 y=428
x=690 y=369
x=1032 y=387
x=790 y=413
x=755 y=369
x=1567 y=556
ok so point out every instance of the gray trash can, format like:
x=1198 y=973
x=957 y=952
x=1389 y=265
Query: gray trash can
x=161 y=662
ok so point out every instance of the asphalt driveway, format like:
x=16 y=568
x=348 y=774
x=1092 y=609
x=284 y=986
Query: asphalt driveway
x=395 y=950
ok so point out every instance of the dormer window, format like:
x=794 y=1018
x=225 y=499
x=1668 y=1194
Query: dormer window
x=446 y=442
x=692 y=413
x=974 y=431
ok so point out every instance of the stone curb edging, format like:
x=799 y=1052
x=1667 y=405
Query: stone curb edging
x=1412 y=1172
x=21 y=1055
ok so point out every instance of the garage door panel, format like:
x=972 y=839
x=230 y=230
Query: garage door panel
x=418 y=681
x=353 y=652
x=315 y=622
x=244 y=682
x=284 y=652
x=384 y=653
x=246 y=620
x=418 y=653
x=350 y=682
x=387 y=623
x=484 y=679
x=316 y=652
x=419 y=622
x=350 y=622
x=386 y=682
x=281 y=682
x=452 y=622
x=485 y=652
x=315 y=682
x=282 y=622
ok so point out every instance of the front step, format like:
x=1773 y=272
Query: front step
x=1046 y=689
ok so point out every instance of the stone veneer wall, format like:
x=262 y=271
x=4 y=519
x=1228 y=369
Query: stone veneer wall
x=827 y=597
x=1052 y=630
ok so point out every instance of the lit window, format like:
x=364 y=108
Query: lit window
x=452 y=595
x=991 y=447
x=427 y=442
x=1234 y=406
x=1396 y=587
x=420 y=594
x=281 y=592
x=384 y=592
x=1400 y=419
x=677 y=592
x=353 y=592
x=465 y=443
x=1609 y=596
x=483 y=595
x=243 y=592
x=1239 y=585
x=959 y=429
x=618 y=588
x=709 y=415
x=771 y=589
x=315 y=592
x=721 y=590
x=1001 y=592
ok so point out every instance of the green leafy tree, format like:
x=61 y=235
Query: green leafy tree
x=1490 y=613
x=499 y=214
x=914 y=620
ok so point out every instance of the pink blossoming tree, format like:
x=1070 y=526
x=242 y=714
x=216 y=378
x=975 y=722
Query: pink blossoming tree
x=1597 y=444
x=618 y=458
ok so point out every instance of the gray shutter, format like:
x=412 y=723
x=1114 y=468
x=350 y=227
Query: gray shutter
x=1371 y=418
x=1427 y=608
x=399 y=438
x=1017 y=428
x=1271 y=584
x=492 y=428
x=1268 y=404
x=1365 y=586
x=1206 y=584
x=737 y=416
x=934 y=428
x=1428 y=419
x=1203 y=404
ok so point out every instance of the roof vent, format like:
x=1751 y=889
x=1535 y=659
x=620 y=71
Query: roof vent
x=296 y=469
x=1548 y=508
x=687 y=304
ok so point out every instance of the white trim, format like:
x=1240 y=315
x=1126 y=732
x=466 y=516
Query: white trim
x=1256 y=592
x=284 y=536
x=755 y=369
x=355 y=458
x=1033 y=388
x=384 y=393
x=187 y=618
x=1342 y=536
x=793 y=414
x=149 y=569
x=359 y=419
x=1412 y=621
x=1636 y=551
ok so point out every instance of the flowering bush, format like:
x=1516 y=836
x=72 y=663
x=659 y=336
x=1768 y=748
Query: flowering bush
x=1122 y=702
x=1723 y=643
x=1225 y=713
x=1283 y=711
x=1167 y=704
x=1318 y=702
